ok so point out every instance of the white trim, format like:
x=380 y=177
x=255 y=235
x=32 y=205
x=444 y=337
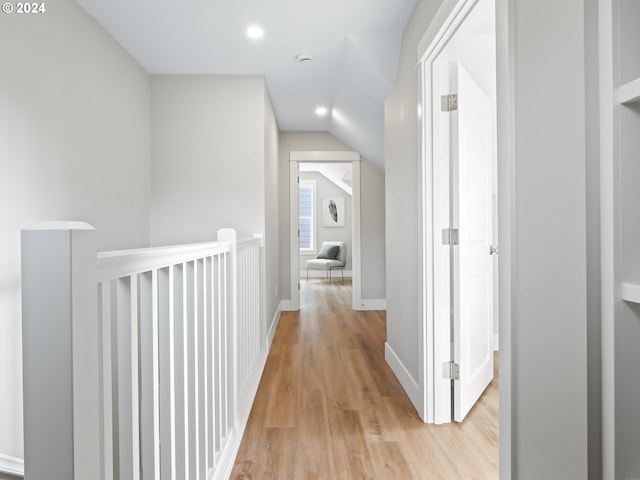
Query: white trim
x=59 y=225
x=496 y=342
x=295 y=157
x=434 y=339
x=324 y=156
x=401 y=372
x=629 y=92
x=630 y=292
x=11 y=465
x=274 y=326
x=439 y=27
x=293 y=236
x=355 y=236
x=230 y=451
x=505 y=89
x=287 y=306
x=117 y=264
x=373 y=304
x=227 y=456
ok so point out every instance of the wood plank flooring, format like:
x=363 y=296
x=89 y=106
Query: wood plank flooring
x=329 y=407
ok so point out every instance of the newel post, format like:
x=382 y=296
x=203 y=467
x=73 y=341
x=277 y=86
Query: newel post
x=60 y=352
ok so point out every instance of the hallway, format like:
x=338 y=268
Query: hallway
x=329 y=407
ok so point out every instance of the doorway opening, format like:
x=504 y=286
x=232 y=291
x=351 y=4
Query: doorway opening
x=323 y=164
x=460 y=204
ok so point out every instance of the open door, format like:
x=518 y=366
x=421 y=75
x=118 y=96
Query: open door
x=472 y=221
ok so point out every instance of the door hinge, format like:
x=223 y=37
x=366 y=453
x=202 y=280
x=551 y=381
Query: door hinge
x=450 y=236
x=449 y=103
x=451 y=370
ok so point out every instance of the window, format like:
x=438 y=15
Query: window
x=306 y=211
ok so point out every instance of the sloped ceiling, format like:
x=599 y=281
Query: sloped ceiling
x=354 y=45
x=338 y=173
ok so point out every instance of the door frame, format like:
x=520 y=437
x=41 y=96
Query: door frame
x=435 y=350
x=346 y=156
x=440 y=26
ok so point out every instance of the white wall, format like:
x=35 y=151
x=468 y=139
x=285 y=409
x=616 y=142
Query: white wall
x=372 y=232
x=402 y=186
x=74 y=145
x=372 y=224
x=326 y=188
x=208 y=141
x=214 y=143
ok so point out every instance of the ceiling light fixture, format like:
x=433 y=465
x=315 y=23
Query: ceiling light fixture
x=255 y=32
x=321 y=111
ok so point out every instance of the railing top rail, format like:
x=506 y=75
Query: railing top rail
x=121 y=263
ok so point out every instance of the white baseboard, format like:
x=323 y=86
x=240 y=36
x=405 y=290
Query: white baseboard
x=496 y=342
x=372 y=304
x=285 y=306
x=11 y=465
x=227 y=457
x=274 y=325
x=404 y=377
x=230 y=451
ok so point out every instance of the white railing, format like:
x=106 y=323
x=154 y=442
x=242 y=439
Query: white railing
x=150 y=375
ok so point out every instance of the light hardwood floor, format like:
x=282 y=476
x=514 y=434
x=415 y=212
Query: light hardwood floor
x=329 y=407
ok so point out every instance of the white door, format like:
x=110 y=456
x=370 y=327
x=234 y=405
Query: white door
x=472 y=263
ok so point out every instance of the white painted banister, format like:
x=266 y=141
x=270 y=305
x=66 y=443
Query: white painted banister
x=167 y=348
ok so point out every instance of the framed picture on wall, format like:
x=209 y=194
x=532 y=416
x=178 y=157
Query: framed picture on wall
x=333 y=211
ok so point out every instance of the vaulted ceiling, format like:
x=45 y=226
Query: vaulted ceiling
x=353 y=44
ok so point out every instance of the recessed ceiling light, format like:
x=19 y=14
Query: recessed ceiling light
x=321 y=111
x=255 y=32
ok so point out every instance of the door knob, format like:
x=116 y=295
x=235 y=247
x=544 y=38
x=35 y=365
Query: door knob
x=493 y=250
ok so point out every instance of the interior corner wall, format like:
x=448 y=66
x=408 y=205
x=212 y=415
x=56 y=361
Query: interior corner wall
x=372 y=233
x=74 y=145
x=403 y=198
x=272 y=233
x=549 y=277
x=208 y=150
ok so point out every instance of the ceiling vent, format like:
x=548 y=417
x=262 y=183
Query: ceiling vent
x=304 y=58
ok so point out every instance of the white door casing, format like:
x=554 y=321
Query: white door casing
x=296 y=157
x=457 y=23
